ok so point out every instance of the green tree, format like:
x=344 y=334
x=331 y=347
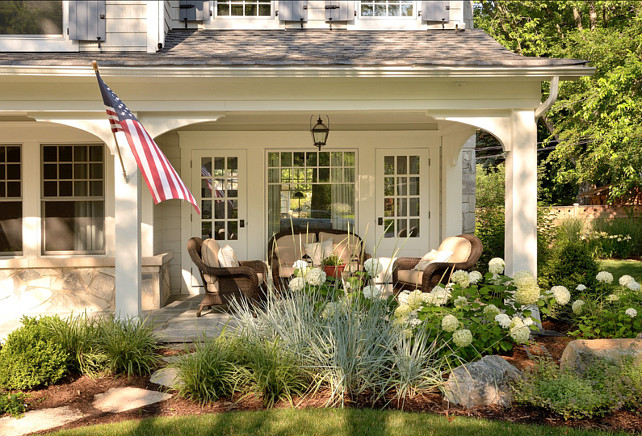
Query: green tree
x=597 y=120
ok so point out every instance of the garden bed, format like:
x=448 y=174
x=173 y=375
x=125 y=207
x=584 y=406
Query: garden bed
x=77 y=393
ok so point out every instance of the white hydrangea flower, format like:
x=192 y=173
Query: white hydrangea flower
x=297 y=284
x=415 y=299
x=414 y=322
x=474 y=277
x=503 y=320
x=581 y=287
x=577 y=306
x=612 y=297
x=402 y=297
x=427 y=298
x=527 y=294
x=561 y=294
x=491 y=311
x=520 y=334
x=461 y=278
x=403 y=311
x=634 y=286
x=496 y=265
x=440 y=296
x=523 y=279
x=528 y=321
x=315 y=276
x=462 y=338
x=371 y=292
x=460 y=301
x=630 y=312
x=329 y=310
x=407 y=333
x=301 y=265
x=604 y=277
x=449 y=323
x=373 y=267
x=625 y=280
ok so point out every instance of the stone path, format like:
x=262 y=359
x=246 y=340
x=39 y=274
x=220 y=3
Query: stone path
x=115 y=400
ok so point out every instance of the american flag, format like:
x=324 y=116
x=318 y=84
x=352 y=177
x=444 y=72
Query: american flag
x=162 y=179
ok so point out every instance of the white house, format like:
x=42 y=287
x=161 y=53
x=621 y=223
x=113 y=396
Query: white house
x=229 y=90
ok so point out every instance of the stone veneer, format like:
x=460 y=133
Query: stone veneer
x=35 y=290
x=469 y=171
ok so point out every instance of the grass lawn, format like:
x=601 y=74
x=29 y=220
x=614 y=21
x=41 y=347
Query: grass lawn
x=319 y=422
x=620 y=267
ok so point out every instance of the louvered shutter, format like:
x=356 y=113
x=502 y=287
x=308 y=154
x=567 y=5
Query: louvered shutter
x=293 y=10
x=339 y=10
x=87 y=20
x=194 y=10
x=435 y=11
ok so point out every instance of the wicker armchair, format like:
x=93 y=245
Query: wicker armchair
x=222 y=283
x=466 y=252
x=286 y=247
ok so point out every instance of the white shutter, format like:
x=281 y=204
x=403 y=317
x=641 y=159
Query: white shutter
x=87 y=20
x=435 y=11
x=339 y=10
x=293 y=10
x=194 y=10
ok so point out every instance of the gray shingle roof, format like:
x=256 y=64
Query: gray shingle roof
x=443 y=48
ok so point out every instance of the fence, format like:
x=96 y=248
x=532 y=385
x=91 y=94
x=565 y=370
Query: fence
x=590 y=212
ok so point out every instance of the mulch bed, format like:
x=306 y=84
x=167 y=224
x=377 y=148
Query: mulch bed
x=78 y=392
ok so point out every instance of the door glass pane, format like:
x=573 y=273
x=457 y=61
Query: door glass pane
x=402 y=228
x=389 y=165
x=413 y=207
x=413 y=231
x=299 y=159
x=206 y=229
x=402 y=164
x=389 y=207
x=286 y=159
x=273 y=159
x=402 y=186
x=219 y=209
x=233 y=209
x=311 y=159
x=414 y=165
x=219 y=230
x=389 y=186
x=402 y=207
x=206 y=209
x=273 y=175
x=413 y=189
x=233 y=230
x=389 y=228
x=337 y=159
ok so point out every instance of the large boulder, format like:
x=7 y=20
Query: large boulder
x=485 y=382
x=578 y=354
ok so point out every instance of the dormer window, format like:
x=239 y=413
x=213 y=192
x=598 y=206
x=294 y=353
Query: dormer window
x=31 y=18
x=244 y=8
x=387 y=8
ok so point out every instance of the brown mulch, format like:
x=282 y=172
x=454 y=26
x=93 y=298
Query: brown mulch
x=78 y=392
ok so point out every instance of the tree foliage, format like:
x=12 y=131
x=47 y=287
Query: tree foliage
x=597 y=120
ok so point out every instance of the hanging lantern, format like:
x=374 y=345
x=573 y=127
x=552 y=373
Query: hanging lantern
x=320 y=132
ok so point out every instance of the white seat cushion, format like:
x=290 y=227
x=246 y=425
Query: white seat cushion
x=410 y=276
x=227 y=257
x=291 y=248
x=460 y=248
x=319 y=251
x=209 y=252
x=433 y=256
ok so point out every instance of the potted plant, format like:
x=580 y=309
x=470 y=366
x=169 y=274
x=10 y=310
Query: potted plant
x=333 y=266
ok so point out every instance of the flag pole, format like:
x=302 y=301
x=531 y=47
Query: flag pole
x=120 y=157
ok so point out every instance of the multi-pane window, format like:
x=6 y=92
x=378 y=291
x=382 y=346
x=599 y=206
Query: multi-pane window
x=30 y=17
x=387 y=8
x=10 y=200
x=311 y=190
x=73 y=199
x=220 y=197
x=401 y=196
x=244 y=8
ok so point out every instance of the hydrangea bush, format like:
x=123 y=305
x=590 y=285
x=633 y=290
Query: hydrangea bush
x=611 y=310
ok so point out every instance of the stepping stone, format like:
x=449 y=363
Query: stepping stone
x=164 y=377
x=38 y=420
x=118 y=400
x=579 y=354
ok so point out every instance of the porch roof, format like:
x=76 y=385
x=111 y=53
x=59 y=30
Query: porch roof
x=471 y=48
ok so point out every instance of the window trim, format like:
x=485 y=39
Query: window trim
x=388 y=17
x=40 y=43
x=216 y=16
x=86 y=198
x=5 y=199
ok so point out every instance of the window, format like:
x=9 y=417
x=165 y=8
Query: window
x=311 y=190
x=387 y=8
x=31 y=18
x=10 y=200
x=73 y=199
x=244 y=8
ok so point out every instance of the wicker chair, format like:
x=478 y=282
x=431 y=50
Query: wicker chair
x=286 y=247
x=466 y=252
x=222 y=283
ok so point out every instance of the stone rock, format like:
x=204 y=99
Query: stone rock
x=27 y=275
x=578 y=354
x=485 y=382
x=86 y=275
x=72 y=281
x=102 y=286
x=39 y=420
x=165 y=377
x=117 y=400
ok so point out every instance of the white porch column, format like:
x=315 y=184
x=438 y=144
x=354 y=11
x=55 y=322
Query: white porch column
x=128 y=250
x=520 y=251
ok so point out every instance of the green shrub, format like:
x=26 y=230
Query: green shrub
x=13 y=404
x=31 y=357
x=489 y=228
x=570 y=264
x=617 y=237
x=129 y=346
x=600 y=389
x=490 y=186
x=211 y=372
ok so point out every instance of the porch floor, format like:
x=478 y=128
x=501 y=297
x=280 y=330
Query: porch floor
x=177 y=321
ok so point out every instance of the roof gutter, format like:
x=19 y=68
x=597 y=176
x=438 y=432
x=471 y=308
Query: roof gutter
x=552 y=96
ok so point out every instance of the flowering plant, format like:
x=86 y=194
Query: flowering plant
x=610 y=311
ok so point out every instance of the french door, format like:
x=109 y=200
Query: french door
x=402 y=202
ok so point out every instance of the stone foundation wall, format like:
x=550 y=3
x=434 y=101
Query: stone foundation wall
x=468 y=169
x=28 y=291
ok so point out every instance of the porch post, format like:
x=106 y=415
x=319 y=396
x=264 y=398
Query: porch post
x=128 y=236
x=521 y=194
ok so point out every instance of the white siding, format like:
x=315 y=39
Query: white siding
x=126 y=27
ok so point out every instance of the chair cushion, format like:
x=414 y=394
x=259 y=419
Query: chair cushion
x=286 y=271
x=319 y=251
x=345 y=245
x=290 y=248
x=433 y=256
x=410 y=276
x=460 y=247
x=209 y=252
x=227 y=257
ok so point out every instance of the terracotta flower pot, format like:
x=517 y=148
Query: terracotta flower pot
x=333 y=270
